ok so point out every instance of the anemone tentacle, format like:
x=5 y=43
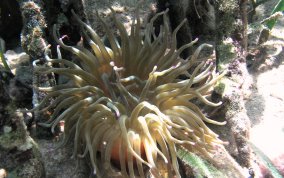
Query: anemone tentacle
x=125 y=106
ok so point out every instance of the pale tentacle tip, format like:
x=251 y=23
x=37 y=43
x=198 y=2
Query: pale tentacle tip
x=63 y=37
x=219 y=103
x=195 y=40
x=209 y=45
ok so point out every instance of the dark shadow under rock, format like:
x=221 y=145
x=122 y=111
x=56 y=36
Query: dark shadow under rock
x=10 y=22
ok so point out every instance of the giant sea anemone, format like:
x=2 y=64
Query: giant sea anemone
x=125 y=106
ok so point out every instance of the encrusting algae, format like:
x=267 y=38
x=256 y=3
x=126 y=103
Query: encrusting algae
x=125 y=107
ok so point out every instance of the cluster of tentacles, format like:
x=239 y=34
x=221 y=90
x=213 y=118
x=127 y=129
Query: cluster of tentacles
x=125 y=106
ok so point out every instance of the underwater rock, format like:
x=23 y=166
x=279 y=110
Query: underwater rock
x=16 y=58
x=4 y=96
x=3 y=173
x=237 y=84
x=19 y=92
x=17 y=83
x=33 y=34
x=19 y=154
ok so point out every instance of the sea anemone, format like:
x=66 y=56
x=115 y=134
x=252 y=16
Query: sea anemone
x=125 y=106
